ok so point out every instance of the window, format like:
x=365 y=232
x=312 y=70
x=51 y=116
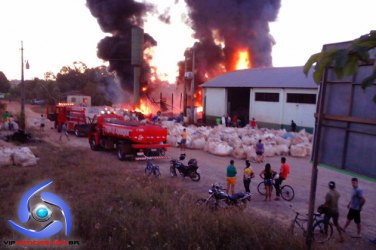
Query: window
x=301 y=98
x=267 y=97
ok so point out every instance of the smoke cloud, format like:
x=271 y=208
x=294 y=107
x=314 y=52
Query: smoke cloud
x=222 y=27
x=118 y=17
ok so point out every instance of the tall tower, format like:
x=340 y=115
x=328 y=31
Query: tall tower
x=136 y=61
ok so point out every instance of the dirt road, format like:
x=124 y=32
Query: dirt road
x=212 y=169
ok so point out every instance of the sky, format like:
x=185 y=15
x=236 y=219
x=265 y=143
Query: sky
x=55 y=33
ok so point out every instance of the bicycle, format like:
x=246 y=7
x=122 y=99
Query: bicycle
x=320 y=235
x=151 y=168
x=287 y=192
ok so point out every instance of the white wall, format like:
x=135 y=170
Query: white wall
x=216 y=100
x=282 y=112
x=269 y=112
x=79 y=99
x=302 y=114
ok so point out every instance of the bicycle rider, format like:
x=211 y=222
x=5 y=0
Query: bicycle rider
x=283 y=173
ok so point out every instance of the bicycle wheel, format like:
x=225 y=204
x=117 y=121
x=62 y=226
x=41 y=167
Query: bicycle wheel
x=287 y=193
x=148 y=170
x=291 y=228
x=319 y=234
x=261 y=188
x=156 y=171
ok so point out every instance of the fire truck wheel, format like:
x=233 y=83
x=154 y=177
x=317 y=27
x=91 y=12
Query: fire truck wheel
x=120 y=152
x=162 y=152
x=76 y=131
x=93 y=146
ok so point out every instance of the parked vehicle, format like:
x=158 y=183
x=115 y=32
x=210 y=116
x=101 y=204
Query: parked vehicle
x=72 y=115
x=191 y=170
x=37 y=101
x=131 y=139
x=218 y=198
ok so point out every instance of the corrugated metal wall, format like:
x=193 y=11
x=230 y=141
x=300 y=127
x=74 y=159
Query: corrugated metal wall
x=348 y=139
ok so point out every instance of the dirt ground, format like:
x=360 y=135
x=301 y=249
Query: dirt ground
x=212 y=169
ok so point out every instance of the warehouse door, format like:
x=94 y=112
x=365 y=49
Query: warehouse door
x=238 y=104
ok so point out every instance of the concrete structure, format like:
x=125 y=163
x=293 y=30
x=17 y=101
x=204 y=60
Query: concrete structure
x=273 y=96
x=83 y=100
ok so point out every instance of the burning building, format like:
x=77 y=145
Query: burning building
x=232 y=35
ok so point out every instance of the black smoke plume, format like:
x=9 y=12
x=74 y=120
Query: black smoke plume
x=118 y=17
x=223 y=26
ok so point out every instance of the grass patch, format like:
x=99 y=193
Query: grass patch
x=114 y=206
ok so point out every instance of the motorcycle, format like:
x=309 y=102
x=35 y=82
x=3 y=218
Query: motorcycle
x=184 y=171
x=218 y=198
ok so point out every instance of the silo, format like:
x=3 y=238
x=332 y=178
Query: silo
x=136 y=61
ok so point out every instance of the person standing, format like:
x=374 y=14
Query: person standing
x=331 y=203
x=252 y=123
x=234 y=120
x=293 y=126
x=183 y=141
x=42 y=121
x=355 y=206
x=228 y=119
x=231 y=178
x=223 y=120
x=248 y=174
x=259 y=152
x=283 y=173
x=267 y=175
x=11 y=122
x=64 y=131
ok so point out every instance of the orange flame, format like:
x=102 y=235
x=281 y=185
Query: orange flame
x=144 y=108
x=242 y=59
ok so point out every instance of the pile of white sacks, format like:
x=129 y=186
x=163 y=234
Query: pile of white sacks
x=17 y=156
x=240 y=142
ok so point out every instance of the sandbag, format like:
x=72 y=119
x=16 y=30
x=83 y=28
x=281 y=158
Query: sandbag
x=24 y=157
x=198 y=142
x=298 y=150
x=6 y=157
x=239 y=153
x=282 y=149
x=222 y=149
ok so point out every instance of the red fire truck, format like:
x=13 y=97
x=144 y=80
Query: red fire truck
x=72 y=115
x=131 y=139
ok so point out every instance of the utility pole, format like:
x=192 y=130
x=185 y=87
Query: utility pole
x=193 y=84
x=22 y=121
x=315 y=159
x=137 y=42
x=185 y=84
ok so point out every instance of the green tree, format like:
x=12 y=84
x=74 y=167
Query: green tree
x=346 y=61
x=4 y=83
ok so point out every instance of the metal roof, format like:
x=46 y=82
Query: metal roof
x=283 y=77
